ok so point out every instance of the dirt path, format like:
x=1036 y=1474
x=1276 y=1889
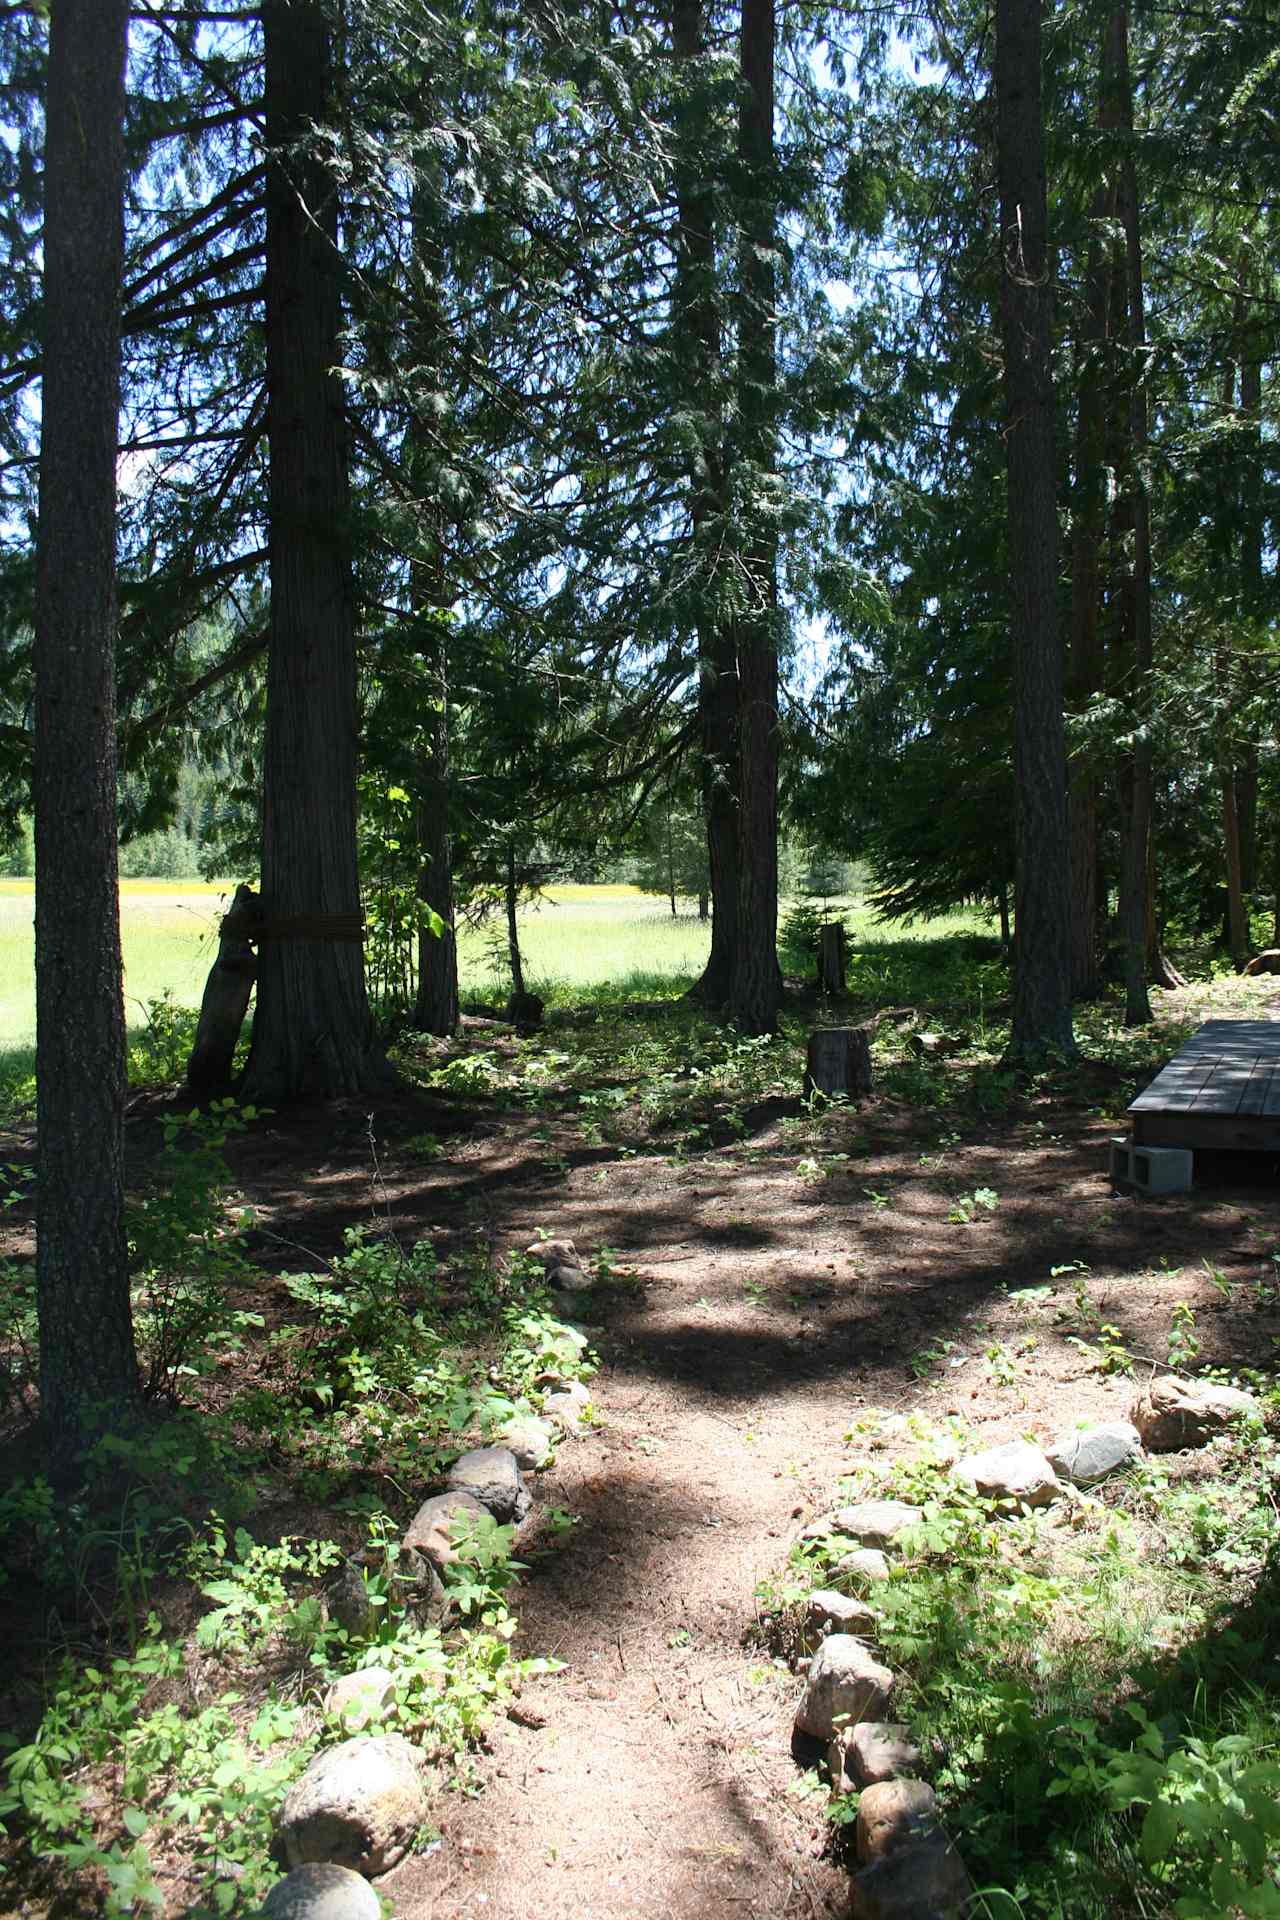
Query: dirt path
x=770 y=1315
x=659 y=1782
x=765 y=1293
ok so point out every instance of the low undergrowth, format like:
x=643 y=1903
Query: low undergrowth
x=1094 y=1687
x=291 y=1430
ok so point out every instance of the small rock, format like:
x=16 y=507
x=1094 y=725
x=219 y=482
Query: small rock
x=416 y=1586
x=530 y=1440
x=864 y=1563
x=347 y=1601
x=891 y=1814
x=826 y=1612
x=491 y=1475
x=430 y=1532
x=924 y=1880
x=1173 y=1414
x=567 y=1406
x=846 y=1682
x=570 y=1280
x=1091 y=1453
x=876 y=1523
x=878 y=1750
x=322 y=1892
x=360 y=1697
x=554 y=1253
x=358 y=1805
x=1016 y=1471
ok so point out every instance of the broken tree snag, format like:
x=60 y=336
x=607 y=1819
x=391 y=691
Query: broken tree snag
x=832 y=957
x=226 y=996
x=838 y=1060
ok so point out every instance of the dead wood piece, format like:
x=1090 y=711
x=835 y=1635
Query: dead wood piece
x=838 y=1060
x=832 y=957
x=226 y=997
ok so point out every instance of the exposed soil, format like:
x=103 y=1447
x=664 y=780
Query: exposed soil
x=752 y=1316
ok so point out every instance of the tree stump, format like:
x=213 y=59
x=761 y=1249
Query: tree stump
x=226 y=997
x=838 y=1060
x=832 y=957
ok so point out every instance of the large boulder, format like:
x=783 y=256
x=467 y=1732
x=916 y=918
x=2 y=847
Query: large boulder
x=322 y=1892
x=1173 y=1414
x=1090 y=1453
x=491 y=1475
x=430 y=1532
x=358 y=1805
x=846 y=1682
x=1016 y=1471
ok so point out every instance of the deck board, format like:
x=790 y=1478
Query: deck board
x=1221 y=1089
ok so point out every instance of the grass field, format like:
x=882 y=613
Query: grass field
x=575 y=940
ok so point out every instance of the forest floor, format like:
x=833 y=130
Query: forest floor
x=762 y=1296
x=768 y=1277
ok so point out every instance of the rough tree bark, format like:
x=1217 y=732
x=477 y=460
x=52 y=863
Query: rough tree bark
x=436 y=1006
x=312 y=1035
x=88 y=1369
x=1085 y=657
x=698 y=341
x=1042 y=900
x=756 y=988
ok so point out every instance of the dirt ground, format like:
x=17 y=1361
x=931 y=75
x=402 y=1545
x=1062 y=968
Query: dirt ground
x=753 y=1316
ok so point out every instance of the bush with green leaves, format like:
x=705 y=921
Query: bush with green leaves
x=186 y=1253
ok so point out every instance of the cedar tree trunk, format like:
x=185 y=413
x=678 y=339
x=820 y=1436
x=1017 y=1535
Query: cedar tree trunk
x=698 y=344
x=88 y=1369
x=756 y=988
x=1042 y=901
x=312 y=1032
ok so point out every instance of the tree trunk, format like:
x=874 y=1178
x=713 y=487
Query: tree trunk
x=312 y=1032
x=436 y=1007
x=1237 y=927
x=1252 y=542
x=1085 y=654
x=88 y=1368
x=512 y=895
x=832 y=958
x=756 y=989
x=1137 y=783
x=698 y=342
x=1042 y=895
x=226 y=998
x=838 y=1060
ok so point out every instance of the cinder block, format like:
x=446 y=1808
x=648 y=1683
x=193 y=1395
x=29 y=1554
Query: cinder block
x=1154 y=1169
x=1120 y=1148
x=1161 y=1169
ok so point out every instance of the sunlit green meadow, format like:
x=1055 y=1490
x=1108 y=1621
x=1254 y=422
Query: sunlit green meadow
x=574 y=940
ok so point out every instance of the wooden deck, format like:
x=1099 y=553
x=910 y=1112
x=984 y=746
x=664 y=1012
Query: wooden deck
x=1221 y=1090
